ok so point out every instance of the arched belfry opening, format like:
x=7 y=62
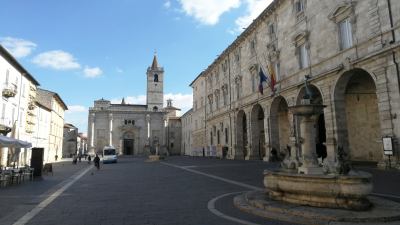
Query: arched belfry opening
x=258 y=133
x=357 y=116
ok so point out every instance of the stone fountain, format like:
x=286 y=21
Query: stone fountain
x=302 y=186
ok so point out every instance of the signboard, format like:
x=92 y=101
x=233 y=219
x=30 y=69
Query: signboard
x=387 y=146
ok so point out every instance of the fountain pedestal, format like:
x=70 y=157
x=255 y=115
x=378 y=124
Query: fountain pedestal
x=308 y=114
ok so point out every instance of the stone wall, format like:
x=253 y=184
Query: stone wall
x=331 y=67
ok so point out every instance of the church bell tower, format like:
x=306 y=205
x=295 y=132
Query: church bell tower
x=155 y=86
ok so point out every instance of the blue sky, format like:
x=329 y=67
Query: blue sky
x=90 y=49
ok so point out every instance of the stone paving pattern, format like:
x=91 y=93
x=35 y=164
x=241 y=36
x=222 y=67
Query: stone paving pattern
x=137 y=192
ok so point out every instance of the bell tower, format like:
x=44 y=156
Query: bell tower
x=155 y=86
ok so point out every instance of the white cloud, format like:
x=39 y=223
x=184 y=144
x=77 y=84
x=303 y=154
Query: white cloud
x=19 y=48
x=182 y=101
x=208 y=11
x=76 y=108
x=167 y=4
x=253 y=10
x=92 y=72
x=57 y=59
x=138 y=100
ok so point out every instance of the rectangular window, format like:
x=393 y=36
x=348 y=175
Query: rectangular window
x=225 y=98
x=253 y=83
x=271 y=29
x=345 y=34
x=3 y=111
x=23 y=89
x=277 y=70
x=299 y=6
x=226 y=136
x=237 y=91
x=21 y=118
x=303 y=56
x=7 y=76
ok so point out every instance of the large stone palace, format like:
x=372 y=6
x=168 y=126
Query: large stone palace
x=136 y=129
x=349 y=51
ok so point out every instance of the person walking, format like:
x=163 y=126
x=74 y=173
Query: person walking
x=74 y=159
x=89 y=159
x=96 y=161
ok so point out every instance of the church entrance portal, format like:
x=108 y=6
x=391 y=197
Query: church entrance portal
x=128 y=147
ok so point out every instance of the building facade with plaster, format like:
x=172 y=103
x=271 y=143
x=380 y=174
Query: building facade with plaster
x=17 y=103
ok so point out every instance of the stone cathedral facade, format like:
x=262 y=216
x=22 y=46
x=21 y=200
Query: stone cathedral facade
x=131 y=129
x=349 y=50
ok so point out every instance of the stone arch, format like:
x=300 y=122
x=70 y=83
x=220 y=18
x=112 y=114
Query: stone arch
x=316 y=98
x=356 y=109
x=241 y=133
x=280 y=125
x=258 y=133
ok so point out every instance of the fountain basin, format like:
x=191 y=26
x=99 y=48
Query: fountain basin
x=328 y=191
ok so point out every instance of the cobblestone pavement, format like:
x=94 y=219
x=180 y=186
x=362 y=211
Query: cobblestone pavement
x=178 y=190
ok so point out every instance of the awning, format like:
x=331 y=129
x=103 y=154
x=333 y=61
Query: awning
x=12 y=142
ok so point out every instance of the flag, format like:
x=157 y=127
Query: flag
x=263 y=78
x=272 y=78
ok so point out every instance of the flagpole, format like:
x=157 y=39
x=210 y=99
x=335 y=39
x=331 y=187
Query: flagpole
x=259 y=62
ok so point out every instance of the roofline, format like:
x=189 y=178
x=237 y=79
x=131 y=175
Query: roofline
x=43 y=106
x=128 y=105
x=242 y=36
x=57 y=98
x=187 y=112
x=17 y=65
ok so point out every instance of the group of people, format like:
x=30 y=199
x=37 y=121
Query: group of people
x=96 y=160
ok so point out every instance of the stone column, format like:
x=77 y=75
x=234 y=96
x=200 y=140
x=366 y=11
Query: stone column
x=148 y=129
x=249 y=141
x=121 y=146
x=309 y=157
x=267 y=135
x=111 y=128
x=294 y=151
x=92 y=120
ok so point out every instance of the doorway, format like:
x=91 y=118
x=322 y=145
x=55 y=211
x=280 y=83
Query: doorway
x=128 y=147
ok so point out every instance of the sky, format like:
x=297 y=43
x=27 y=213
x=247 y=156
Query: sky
x=86 y=50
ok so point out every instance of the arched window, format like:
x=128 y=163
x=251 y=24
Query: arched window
x=155 y=77
x=155 y=108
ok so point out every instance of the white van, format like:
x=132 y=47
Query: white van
x=109 y=154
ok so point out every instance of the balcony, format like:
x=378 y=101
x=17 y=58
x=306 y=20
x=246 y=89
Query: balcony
x=10 y=90
x=31 y=105
x=29 y=129
x=5 y=126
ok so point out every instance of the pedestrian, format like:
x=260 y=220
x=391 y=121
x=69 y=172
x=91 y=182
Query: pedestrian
x=80 y=157
x=56 y=157
x=96 y=161
x=89 y=159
